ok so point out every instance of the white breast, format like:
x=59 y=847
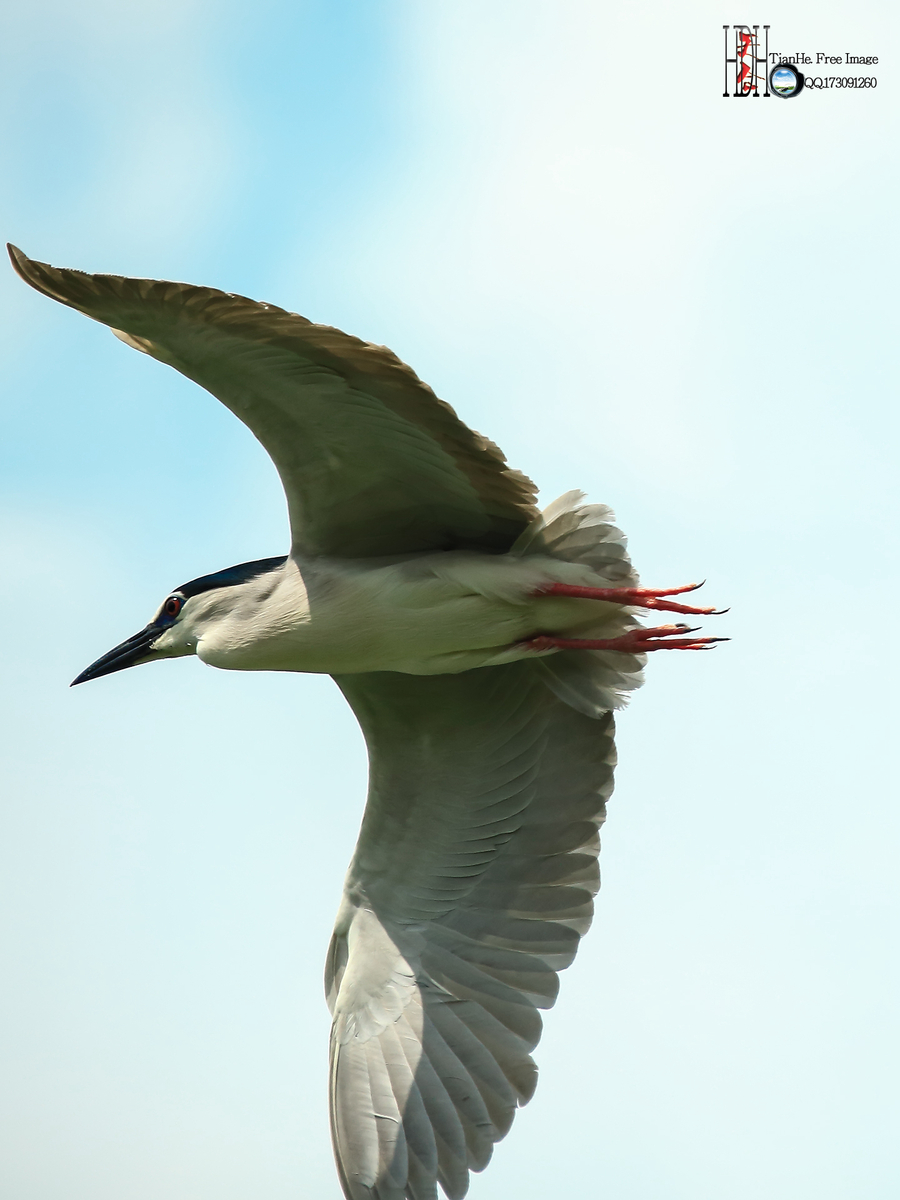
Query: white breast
x=432 y=614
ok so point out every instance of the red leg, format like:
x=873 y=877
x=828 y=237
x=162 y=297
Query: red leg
x=638 y=597
x=636 y=641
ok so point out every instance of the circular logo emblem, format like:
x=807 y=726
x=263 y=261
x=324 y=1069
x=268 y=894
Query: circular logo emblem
x=785 y=80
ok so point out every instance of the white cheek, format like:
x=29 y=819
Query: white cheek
x=211 y=651
x=175 y=642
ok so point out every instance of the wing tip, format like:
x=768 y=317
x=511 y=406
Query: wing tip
x=38 y=274
x=20 y=261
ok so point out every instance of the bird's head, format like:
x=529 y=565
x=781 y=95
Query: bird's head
x=182 y=618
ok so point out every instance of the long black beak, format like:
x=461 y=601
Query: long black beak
x=136 y=650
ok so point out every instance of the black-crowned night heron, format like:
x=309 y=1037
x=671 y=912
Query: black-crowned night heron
x=481 y=644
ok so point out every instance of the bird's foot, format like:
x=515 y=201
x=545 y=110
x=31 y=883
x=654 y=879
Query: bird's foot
x=636 y=641
x=636 y=597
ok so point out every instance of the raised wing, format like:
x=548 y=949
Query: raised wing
x=372 y=462
x=471 y=885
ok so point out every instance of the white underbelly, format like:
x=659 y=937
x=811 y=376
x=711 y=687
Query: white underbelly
x=411 y=640
x=388 y=619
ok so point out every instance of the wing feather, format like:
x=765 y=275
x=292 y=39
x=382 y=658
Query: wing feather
x=476 y=865
x=372 y=462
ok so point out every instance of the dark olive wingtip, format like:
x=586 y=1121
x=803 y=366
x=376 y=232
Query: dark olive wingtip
x=18 y=258
x=30 y=270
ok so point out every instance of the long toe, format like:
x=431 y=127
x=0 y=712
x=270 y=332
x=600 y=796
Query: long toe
x=653 y=598
x=636 y=641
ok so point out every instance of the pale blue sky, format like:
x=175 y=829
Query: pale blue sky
x=552 y=214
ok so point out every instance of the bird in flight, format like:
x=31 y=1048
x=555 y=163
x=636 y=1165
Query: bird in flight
x=483 y=646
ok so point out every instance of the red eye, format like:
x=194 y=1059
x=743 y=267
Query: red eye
x=172 y=606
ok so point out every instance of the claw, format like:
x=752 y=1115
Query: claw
x=638 y=597
x=636 y=641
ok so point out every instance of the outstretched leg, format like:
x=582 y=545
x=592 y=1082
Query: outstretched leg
x=636 y=641
x=636 y=597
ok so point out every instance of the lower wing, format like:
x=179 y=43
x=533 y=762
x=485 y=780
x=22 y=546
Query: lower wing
x=471 y=885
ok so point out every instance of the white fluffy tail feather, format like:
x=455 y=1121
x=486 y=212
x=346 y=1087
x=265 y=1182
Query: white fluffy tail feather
x=590 y=681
